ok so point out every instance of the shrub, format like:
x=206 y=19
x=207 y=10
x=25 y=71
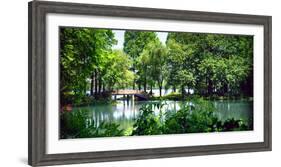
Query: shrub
x=103 y=130
x=76 y=125
x=195 y=116
x=147 y=122
x=233 y=125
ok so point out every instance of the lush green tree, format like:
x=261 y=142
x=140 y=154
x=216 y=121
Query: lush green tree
x=103 y=39
x=159 y=65
x=134 y=44
x=83 y=57
x=147 y=64
x=211 y=63
x=181 y=71
x=143 y=65
x=175 y=59
x=153 y=62
x=118 y=74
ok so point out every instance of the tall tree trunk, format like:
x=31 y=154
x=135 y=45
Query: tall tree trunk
x=96 y=82
x=174 y=88
x=144 y=85
x=92 y=85
x=145 y=81
x=160 y=88
x=85 y=88
x=103 y=87
x=182 y=91
x=134 y=81
x=100 y=84
x=206 y=90
x=210 y=87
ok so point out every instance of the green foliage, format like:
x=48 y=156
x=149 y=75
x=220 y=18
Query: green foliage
x=152 y=65
x=76 y=125
x=117 y=74
x=71 y=124
x=82 y=51
x=87 y=62
x=147 y=123
x=233 y=125
x=195 y=117
x=181 y=73
x=172 y=96
x=211 y=63
x=135 y=43
x=79 y=51
x=105 y=129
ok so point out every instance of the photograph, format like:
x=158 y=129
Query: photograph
x=118 y=82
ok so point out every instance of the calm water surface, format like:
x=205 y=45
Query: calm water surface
x=125 y=111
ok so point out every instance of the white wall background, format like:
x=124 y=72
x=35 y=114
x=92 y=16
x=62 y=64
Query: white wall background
x=13 y=82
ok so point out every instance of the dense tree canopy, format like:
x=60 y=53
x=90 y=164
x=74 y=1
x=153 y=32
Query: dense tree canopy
x=134 y=44
x=208 y=64
x=87 y=62
x=211 y=63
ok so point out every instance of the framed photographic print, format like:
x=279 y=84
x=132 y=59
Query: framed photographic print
x=110 y=83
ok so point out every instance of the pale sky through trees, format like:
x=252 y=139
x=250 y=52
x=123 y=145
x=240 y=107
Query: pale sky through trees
x=119 y=35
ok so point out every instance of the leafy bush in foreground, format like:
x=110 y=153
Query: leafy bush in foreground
x=195 y=117
x=147 y=123
x=76 y=125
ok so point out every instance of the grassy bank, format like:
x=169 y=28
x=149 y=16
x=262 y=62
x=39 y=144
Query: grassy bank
x=178 y=96
x=77 y=101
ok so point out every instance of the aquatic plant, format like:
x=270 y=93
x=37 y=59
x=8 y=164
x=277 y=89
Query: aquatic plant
x=196 y=116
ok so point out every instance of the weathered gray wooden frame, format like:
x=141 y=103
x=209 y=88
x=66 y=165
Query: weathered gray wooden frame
x=37 y=82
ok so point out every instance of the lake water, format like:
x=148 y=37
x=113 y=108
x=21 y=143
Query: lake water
x=125 y=111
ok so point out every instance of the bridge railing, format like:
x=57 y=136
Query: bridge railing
x=127 y=92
